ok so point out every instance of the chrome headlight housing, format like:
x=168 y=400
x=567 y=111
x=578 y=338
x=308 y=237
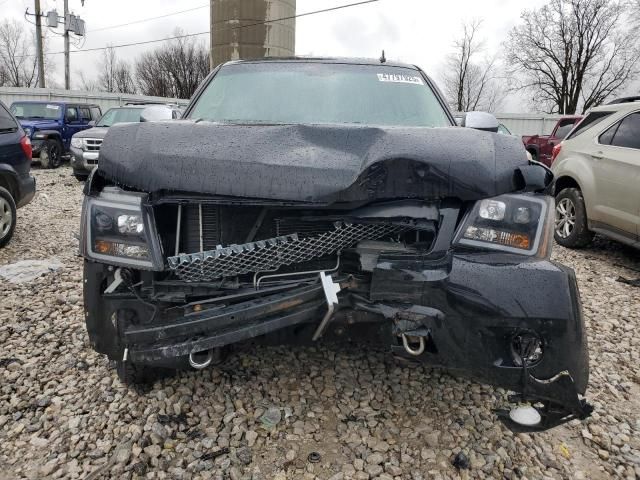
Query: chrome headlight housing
x=76 y=142
x=119 y=228
x=515 y=223
x=28 y=131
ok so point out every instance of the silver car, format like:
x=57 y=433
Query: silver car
x=85 y=145
x=597 y=171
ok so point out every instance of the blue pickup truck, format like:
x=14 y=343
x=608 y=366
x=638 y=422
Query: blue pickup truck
x=50 y=126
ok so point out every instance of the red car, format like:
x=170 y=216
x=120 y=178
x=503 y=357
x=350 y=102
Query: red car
x=541 y=146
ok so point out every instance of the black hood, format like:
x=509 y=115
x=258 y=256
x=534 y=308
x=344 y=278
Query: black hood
x=311 y=163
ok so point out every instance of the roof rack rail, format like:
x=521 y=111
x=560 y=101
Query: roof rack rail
x=635 y=98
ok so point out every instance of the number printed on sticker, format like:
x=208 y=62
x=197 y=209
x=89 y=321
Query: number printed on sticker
x=400 y=78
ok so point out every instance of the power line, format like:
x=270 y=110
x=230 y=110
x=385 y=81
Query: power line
x=237 y=27
x=147 y=19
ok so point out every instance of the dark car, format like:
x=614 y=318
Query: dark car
x=17 y=186
x=85 y=145
x=50 y=126
x=301 y=200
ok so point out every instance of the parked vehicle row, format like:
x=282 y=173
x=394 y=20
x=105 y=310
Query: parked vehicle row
x=85 y=145
x=50 y=126
x=60 y=129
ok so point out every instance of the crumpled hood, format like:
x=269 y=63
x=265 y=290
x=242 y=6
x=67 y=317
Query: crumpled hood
x=311 y=163
x=95 y=132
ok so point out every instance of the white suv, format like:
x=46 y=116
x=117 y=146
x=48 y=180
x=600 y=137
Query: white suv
x=597 y=171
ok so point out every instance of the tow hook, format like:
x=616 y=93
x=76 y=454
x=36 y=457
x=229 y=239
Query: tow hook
x=200 y=360
x=409 y=348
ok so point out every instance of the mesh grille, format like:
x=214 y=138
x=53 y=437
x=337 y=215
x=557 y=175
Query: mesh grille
x=271 y=254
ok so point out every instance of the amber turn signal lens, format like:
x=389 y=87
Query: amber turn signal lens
x=103 y=247
x=517 y=240
x=491 y=235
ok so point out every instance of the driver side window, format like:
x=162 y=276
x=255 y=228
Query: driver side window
x=72 y=114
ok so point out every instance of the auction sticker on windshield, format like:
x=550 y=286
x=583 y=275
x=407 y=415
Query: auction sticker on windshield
x=53 y=107
x=399 y=78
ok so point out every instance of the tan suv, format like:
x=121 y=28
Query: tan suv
x=597 y=171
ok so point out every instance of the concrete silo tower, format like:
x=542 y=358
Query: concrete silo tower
x=233 y=38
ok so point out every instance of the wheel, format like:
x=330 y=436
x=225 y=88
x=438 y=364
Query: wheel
x=8 y=217
x=51 y=154
x=571 y=219
x=138 y=375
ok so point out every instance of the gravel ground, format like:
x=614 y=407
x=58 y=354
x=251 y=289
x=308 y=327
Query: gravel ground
x=63 y=413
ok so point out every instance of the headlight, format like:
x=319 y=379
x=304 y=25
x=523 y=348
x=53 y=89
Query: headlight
x=520 y=224
x=28 y=132
x=119 y=229
x=76 y=142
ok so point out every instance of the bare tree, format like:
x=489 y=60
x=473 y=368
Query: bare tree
x=150 y=76
x=635 y=13
x=174 y=69
x=87 y=84
x=17 y=56
x=470 y=79
x=572 y=54
x=114 y=74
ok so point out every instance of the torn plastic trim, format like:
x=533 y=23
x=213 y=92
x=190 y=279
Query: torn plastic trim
x=560 y=400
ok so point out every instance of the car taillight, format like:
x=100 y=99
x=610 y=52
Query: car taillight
x=25 y=143
x=555 y=152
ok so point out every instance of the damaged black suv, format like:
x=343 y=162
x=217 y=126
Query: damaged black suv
x=308 y=199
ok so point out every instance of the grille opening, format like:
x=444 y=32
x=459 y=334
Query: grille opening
x=220 y=241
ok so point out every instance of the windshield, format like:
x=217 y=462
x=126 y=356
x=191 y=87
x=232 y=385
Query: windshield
x=36 y=110
x=119 y=115
x=320 y=93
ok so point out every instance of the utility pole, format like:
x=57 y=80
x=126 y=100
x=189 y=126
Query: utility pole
x=67 y=79
x=39 y=45
x=211 y=64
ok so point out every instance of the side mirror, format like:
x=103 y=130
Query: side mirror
x=480 y=121
x=92 y=123
x=156 y=113
x=535 y=177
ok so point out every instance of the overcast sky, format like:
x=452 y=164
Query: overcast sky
x=413 y=31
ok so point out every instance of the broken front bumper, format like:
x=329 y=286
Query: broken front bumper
x=466 y=312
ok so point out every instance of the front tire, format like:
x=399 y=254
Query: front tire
x=51 y=154
x=8 y=216
x=571 y=228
